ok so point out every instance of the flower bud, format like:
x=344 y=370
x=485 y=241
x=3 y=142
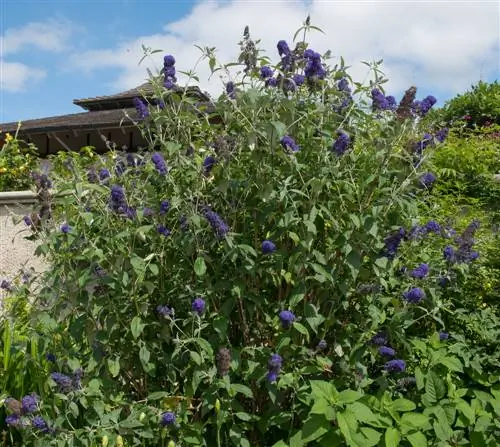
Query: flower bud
x=105 y=440
x=217 y=405
x=119 y=441
x=171 y=444
x=142 y=416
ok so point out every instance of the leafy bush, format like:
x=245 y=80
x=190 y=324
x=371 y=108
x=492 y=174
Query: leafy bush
x=17 y=161
x=475 y=108
x=259 y=278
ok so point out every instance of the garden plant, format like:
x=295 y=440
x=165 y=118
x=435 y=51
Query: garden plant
x=267 y=273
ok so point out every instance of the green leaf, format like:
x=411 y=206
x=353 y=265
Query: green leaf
x=321 y=406
x=324 y=390
x=114 y=366
x=403 y=405
x=200 y=267
x=349 y=396
x=242 y=389
x=419 y=376
x=243 y=416
x=417 y=439
x=452 y=363
x=434 y=387
x=392 y=437
x=157 y=395
x=144 y=356
x=136 y=326
x=372 y=437
x=415 y=420
x=362 y=413
x=302 y=329
x=354 y=262
x=314 y=427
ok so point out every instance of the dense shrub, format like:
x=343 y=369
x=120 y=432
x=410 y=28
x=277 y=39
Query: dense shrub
x=260 y=278
x=17 y=160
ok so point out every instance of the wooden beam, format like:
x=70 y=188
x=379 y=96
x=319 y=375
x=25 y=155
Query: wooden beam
x=61 y=142
x=124 y=132
x=75 y=133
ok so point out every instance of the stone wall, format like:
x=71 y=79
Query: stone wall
x=16 y=253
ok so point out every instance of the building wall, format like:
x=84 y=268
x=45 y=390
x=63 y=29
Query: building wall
x=16 y=253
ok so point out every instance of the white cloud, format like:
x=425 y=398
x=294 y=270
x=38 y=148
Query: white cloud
x=51 y=35
x=440 y=45
x=15 y=77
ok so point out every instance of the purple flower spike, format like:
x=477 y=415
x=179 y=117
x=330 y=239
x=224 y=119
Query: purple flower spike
x=395 y=366
x=268 y=247
x=286 y=318
x=198 y=306
x=414 y=295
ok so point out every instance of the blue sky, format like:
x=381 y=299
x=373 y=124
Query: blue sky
x=52 y=52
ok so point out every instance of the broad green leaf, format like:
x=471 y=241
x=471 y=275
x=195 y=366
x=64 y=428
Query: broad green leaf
x=302 y=329
x=362 y=413
x=157 y=395
x=242 y=389
x=349 y=396
x=114 y=366
x=415 y=420
x=417 y=439
x=403 y=405
x=321 y=389
x=392 y=437
x=452 y=363
x=314 y=427
x=434 y=387
x=200 y=267
x=372 y=437
x=136 y=327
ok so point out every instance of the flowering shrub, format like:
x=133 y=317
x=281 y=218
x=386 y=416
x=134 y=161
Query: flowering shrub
x=17 y=161
x=282 y=293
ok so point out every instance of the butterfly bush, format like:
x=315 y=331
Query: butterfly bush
x=260 y=339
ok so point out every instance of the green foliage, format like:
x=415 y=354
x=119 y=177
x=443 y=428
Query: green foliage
x=17 y=160
x=475 y=108
x=121 y=301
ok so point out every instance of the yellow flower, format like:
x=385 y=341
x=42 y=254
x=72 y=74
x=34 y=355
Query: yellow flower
x=3 y=170
x=8 y=137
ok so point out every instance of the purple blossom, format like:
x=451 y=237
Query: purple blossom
x=314 y=68
x=65 y=228
x=168 y=61
x=380 y=338
x=117 y=199
x=148 y=212
x=163 y=230
x=379 y=101
x=421 y=145
x=273 y=367
x=427 y=179
x=343 y=85
x=6 y=285
x=167 y=419
x=420 y=272
x=165 y=311
x=209 y=162
x=441 y=134
x=104 y=174
x=414 y=295
x=159 y=163
x=395 y=366
x=50 y=357
x=449 y=253
x=298 y=79
x=230 y=90
x=386 y=351
x=392 y=243
x=64 y=383
x=169 y=72
x=443 y=336
x=164 y=206
x=289 y=144
x=443 y=281
x=271 y=82
x=287 y=318
x=266 y=72
x=27 y=220
x=218 y=225
x=433 y=227
x=268 y=247
x=421 y=108
x=30 y=403
x=40 y=424
x=198 y=306
x=92 y=176
x=13 y=420
x=141 y=107
x=283 y=48
x=341 y=144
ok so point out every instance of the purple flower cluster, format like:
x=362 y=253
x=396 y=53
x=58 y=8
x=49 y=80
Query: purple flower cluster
x=220 y=227
x=381 y=102
x=198 y=306
x=165 y=311
x=427 y=180
x=289 y=144
x=6 y=285
x=230 y=90
x=65 y=228
x=141 y=108
x=298 y=79
x=208 y=164
x=29 y=403
x=163 y=230
x=268 y=247
x=169 y=72
x=159 y=163
x=271 y=82
x=395 y=366
x=104 y=174
x=449 y=253
x=393 y=242
x=420 y=272
x=64 y=382
x=426 y=141
x=386 y=351
x=379 y=339
x=322 y=345
x=286 y=318
x=273 y=367
x=286 y=56
x=164 y=207
x=421 y=108
x=343 y=85
x=432 y=227
x=443 y=336
x=414 y=295
x=314 y=68
x=341 y=144
x=40 y=424
x=167 y=419
x=27 y=221
x=117 y=200
x=266 y=72
x=441 y=134
x=465 y=243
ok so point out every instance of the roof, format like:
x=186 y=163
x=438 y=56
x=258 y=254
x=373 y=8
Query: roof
x=99 y=119
x=125 y=99
x=84 y=120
